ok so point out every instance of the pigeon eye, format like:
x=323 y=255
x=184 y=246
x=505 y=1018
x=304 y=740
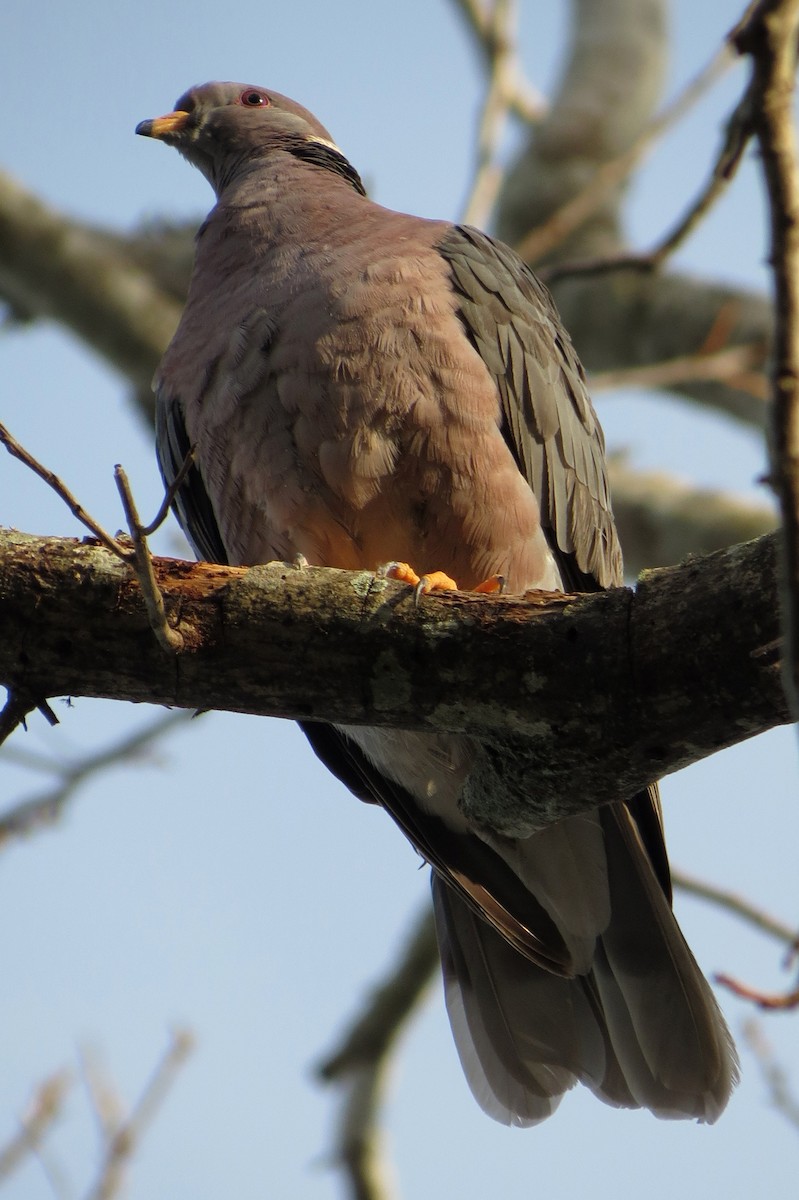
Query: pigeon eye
x=253 y=99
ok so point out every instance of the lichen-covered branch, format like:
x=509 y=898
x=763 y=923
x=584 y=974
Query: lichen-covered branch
x=592 y=696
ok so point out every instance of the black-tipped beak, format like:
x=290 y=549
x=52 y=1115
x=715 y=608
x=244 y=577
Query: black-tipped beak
x=159 y=127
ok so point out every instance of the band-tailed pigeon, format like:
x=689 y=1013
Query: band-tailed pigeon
x=362 y=386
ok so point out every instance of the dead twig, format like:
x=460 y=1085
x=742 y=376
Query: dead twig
x=739 y=364
x=496 y=108
x=735 y=904
x=46 y=808
x=768 y=35
x=171 y=639
x=15 y=710
x=125 y=1139
x=522 y=98
x=359 y=1064
x=770 y=1001
x=76 y=508
x=571 y=215
x=738 y=132
x=774 y=1074
x=43 y=1111
x=137 y=557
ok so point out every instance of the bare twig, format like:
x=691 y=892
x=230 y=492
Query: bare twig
x=359 y=1064
x=171 y=639
x=481 y=19
x=376 y=1027
x=738 y=131
x=501 y=86
x=774 y=1074
x=541 y=240
x=43 y=1111
x=45 y=809
x=359 y=1146
x=741 y=365
x=15 y=710
x=138 y=557
x=169 y=497
x=17 y=707
x=768 y=34
x=123 y=1143
x=736 y=905
x=769 y=1001
x=104 y=1098
x=52 y=480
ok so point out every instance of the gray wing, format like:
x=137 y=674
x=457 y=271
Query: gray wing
x=192 y=505
x=548 y=418
x=550 y=424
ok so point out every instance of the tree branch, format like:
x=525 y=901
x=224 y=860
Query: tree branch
x=593 y=696
x=769 y=36
x=661 y=519
x=52 y=266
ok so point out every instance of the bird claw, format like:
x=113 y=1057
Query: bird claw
x=493 y=586
x=433 y=581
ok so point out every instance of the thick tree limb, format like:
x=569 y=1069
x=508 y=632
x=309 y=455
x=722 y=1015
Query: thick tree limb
x=624 y=318
x=51 y=266
x=592 y=696
x=661 y=519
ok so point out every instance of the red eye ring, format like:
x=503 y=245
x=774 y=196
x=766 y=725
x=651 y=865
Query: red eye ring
x=252 y=98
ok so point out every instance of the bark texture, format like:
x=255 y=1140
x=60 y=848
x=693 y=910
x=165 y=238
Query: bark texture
x=582 y=699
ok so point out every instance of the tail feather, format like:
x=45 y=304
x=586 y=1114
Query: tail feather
x=678 y=1056
x=638 y=1025
x=524 y=1035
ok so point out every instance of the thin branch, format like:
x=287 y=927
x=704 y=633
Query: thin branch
x=769 y=1001
x=104 y=1099
x=773 y=1073
x=738 y=131
x=44 y=1109
x=496 y=107
x=735 y=904
x=544 y=238
x=769 y=36
x=169 y=496
x=46 y=808
x=16 y=708
x=168 y=637
x=359 y=1148
x=740 y=366
x=521 y=97
x=374 y=1030
x=359 y=1064
x=124 y=1142
x=76 y=508
x=138 y=558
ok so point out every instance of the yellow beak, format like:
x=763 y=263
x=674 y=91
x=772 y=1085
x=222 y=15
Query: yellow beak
x=159 y=127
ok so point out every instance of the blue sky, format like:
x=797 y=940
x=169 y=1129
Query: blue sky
x=227 y=882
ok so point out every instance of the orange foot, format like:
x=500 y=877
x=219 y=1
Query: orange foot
x=435 y=581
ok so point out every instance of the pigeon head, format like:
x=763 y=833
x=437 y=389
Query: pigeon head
x=220 y=126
